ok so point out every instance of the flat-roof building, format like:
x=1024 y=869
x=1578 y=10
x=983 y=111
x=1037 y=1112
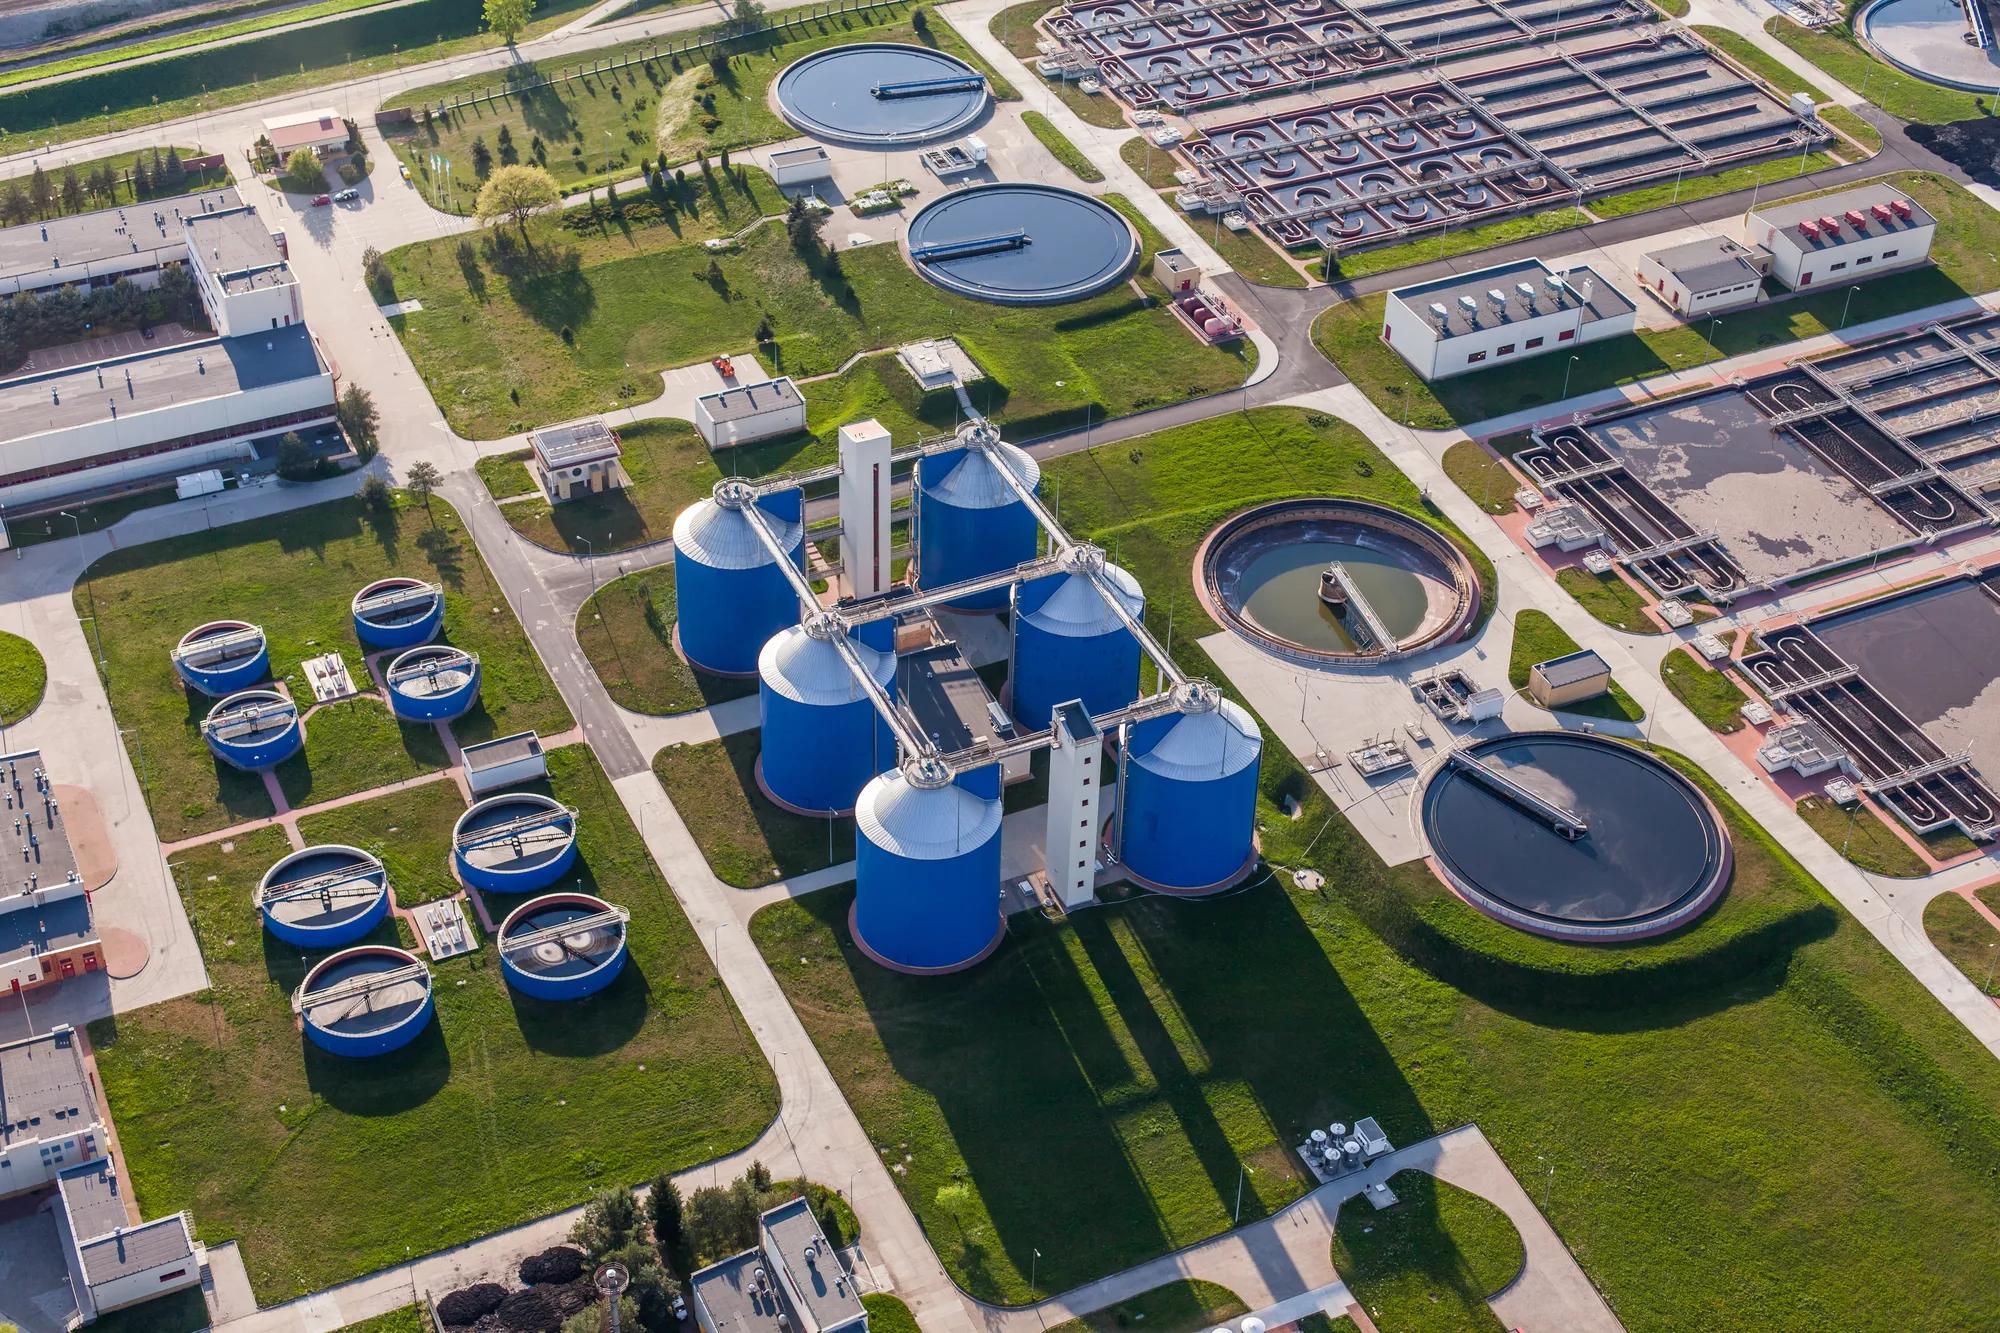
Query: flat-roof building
x=114 y=1262
x=750 y=412
x=797 y=166
x=1475 y=321
x=240 y=268
x=49 y=1116
x=1845 y=236
x=1568 y=679
x=791 y=1282
x=504 y=761
x=577 y=458
x=1705 y=277
x=46 y=927
x=97 y=248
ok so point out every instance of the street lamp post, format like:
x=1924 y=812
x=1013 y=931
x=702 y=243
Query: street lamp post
x=1847 y=305
x=1566 y=372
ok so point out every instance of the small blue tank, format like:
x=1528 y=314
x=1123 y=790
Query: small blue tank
x=926 y=872
x=563 y=946
x=1189 y=794
x=822 y=736
x=398 y=613
x=969 y=520
x=433 y=683
x=1069 y=644
x=730 y=594
x=254 y=729
x=365 y=1001
x=324 y=897
x=222 y=657
x=516 y=842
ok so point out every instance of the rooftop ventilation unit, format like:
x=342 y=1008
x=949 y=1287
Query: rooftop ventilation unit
x=1882 y=212
x=1496 y=298
x=1830 y=225
x=1855 y=219
x=1809 y=229
x=1903 y=208
x=1469 y=305
x=1440 y=314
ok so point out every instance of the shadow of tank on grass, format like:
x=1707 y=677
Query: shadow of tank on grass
x=381 y=1085
x=592 y=1026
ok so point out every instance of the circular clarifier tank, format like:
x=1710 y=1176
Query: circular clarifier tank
x=324 y=897
x=563 y=946
x=1927 y=38
x=1021 y=244
x=517 y=842
x=254 y=729
x=1336 y=580
x=1575 y=837
x=398 y=613
x=222 y=657
x=433 y=683
x=880 y=94
x=368 y=1000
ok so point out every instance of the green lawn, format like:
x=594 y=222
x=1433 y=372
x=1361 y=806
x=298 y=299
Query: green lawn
x=1863 y=837
x=506 y=475
x=1187 y=1306
x=1608 y=598
x=492 y=351
x=1156 y=166
x=626 y=630
x=1463 y=241
x=1758 y=61
x=1432 y=1260
x=294 y=574
x=1539 y=639
x=407 y=1319
x=1710 y=695
x=669 y=469
x=1967 y=251
x=594 y=128
x=120 y=163
x=183 y=1312
x=1060 y=147
x=224 y=1110
x=1965 y=937
x=886 y=1314
x=1015 y=27
x=1853 y=126
x=408 y=830
x=1903 y=96
x=23 y=676
x=1663 y=194
x=1484 y=479
x=747 y=841
x=129 y=50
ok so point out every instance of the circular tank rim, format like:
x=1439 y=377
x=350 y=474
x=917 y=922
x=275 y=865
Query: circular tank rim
x=259 y=692
x=402 y=957
x=1861 y=26
x=214 y=627
x=818 y=129
x=468 y=663
x=911 y=970
x=1053 y=296
x=561 y=898
x=361 y=854
x=535 y=798
x=385 y=585
x=1451 y=555
x=1687 y=909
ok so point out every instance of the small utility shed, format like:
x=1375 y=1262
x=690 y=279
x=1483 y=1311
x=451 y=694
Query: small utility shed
x=798 y=166
x=577 y=458
x=1706 y=276
x=750 y=412
x=1569 y=679
x=504 y=761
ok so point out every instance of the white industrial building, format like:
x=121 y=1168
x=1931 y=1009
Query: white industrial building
x=49 y=1119
x=1475 y=321
x=750 y=412
x=1705 y=277
x=801 y=166
x=793 y=1281
x=239 y=267
x=114 y=1262
x=1843 y=237
x=96 y=249
x=576 y=459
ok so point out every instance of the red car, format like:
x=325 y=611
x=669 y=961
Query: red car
x=319 y=199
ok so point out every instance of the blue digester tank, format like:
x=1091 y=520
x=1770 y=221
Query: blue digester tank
x=927 y=870
x=823 y=738
x=1188 y=816
x=1070 y=644
x=969 y=520
x=730 y=595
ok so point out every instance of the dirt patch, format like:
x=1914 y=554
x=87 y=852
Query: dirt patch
x=678 y=132
x=1973 y=146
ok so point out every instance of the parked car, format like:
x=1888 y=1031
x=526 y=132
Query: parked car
x=347 y=196
x=404 y=167
x=319 y=199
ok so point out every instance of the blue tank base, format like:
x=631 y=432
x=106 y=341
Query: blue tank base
x=785 y=805
x=1232 y=880
x=693 y=665
x=943 y=970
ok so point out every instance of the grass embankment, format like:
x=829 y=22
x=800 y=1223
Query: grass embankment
x=1253 y=258
x=404 y=830
x=1462 y=241
x=122 y=191
x=1171 y=1066
x=1709 y=694
x=1967 y=938
x=1967 y=254
x=747 y=840
x=668 y=467
x=1432 y=1260
x=405 y=1319
x=1663 y=194
x=626 y=630
x=886 y=1314
x=1904 y=96
x=23 y=676
x=1060 y=147
x=223 y=1110
x=1483 y=478
x=1156 y=166
x=1853 y=126
x=590 y=129
x=196 y=82
x=1608 y=598
x=1015 y=27
x=1539 y=639
x=294 y=574
x=1672 y=8
x=491 y=345
x=1863 y=837
x=1758 y=61
x=189 y=31
x=1188 y=1306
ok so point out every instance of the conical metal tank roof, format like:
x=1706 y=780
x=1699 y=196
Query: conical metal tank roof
x=804 y=663
x=920 y=814
x=1075 y=608
x=1213 y=738
x=976 y=482
x=717 y=533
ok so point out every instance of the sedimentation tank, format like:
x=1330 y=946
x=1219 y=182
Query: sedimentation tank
x=222 y=657
x=324 y=897
x=823 y=738
x=398 y=613
x=254 y=729
x=1069 y=644
x=368 y=1000
x=1189 y=793
x=516 y=842
x=927 y=870
x=730 y=595
x=433 y=683
x=563 y=946
x=971 y=522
